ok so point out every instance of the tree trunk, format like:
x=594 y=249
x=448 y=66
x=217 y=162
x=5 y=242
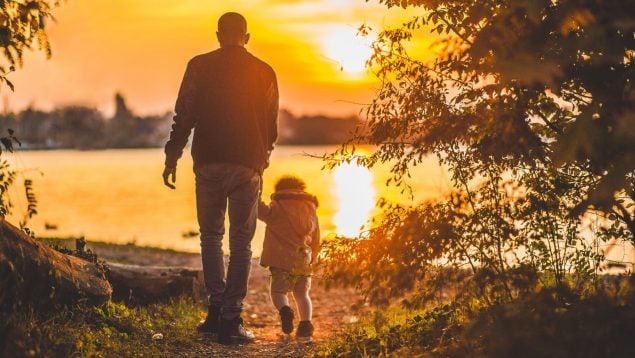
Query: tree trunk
x=33 y=273
x=147 y=284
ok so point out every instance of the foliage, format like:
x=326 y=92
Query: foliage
x=31 y=209
x=596 y=324
x=510 y=234
x=7 y=175
x=529 y=105
x=7 y=178
x=81 y=252
x=22 y=27
x=519 y=80
x=89 y=331
x=396 y=332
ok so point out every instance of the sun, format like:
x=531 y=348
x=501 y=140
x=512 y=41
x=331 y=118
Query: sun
x=347 y=49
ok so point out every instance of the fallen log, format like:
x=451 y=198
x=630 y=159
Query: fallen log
x=33 y=273
x=147 y=284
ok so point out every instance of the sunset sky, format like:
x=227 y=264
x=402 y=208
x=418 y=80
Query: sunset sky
x=140 y=48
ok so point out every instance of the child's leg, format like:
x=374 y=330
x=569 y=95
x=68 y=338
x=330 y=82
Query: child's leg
x=279 y=299
x=279 y=288
x=280 y=285
x=302 y=299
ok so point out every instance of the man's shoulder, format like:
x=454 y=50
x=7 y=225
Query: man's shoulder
x=203 y=57
x=262 y=64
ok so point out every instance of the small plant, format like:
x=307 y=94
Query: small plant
x=84 y=254
x=7 y=179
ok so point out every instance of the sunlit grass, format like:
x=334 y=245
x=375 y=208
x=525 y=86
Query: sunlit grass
x=596 y=324
x=394 y=332
x=115 y=329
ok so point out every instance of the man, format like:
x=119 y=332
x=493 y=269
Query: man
x=230 y=99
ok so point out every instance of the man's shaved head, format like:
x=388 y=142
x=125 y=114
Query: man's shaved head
x=232 y=24
x=232 y=30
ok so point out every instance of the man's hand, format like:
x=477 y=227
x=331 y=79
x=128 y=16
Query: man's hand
x=167 y=172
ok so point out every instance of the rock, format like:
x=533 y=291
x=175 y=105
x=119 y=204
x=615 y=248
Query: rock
x=157 y=337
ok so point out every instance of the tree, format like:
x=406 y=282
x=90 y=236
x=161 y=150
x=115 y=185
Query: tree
x=530 y=106
x=77 y=127
x=31 y=272
x=23 y=25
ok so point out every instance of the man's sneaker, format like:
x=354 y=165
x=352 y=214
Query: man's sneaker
x=233 y=330
x=286 y=319
x=305 y=330
x=210 y=324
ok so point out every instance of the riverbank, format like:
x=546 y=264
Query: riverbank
x=119 y=329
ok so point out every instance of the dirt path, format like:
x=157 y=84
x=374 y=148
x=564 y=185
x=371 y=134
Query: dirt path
x=332 y=309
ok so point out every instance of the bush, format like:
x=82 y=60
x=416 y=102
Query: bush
x=600 y=323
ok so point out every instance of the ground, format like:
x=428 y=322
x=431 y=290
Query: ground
x=333 y=309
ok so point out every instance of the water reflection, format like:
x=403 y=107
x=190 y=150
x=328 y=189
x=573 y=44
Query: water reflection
x=101 y=203
x=355 y=194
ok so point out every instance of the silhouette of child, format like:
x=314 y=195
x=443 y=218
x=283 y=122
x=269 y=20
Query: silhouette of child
x=291 y=245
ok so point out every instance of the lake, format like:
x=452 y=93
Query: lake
x=118 y=196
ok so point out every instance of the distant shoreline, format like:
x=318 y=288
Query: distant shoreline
x=86 y=128
x=34 y=149
x=131 y=253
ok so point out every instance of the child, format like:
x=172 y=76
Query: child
x=292 y=240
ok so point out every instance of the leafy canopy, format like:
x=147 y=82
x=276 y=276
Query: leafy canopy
x=530 y=105
x=22 y=27
x=513 y=81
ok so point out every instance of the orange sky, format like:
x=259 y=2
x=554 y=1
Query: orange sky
x=141 y=47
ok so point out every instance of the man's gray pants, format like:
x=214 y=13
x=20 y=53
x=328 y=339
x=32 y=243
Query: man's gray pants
x=222 y=186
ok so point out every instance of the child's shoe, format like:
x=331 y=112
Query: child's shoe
x=286 y=319
x=305 y=330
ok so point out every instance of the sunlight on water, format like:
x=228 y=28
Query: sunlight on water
x=118 y=195
x=356 y=197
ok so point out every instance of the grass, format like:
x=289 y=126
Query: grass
x=396 y=332
x=112 y=330
x=593 y=324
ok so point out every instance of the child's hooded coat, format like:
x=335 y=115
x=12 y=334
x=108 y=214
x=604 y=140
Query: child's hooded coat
x=292 y=236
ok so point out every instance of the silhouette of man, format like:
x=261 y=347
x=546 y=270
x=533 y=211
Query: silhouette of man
x=230 y=98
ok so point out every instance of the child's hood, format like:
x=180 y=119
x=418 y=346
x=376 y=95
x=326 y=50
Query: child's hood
x=299 y=206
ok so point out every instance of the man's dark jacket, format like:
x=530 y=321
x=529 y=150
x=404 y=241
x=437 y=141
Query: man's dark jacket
x=230 y=98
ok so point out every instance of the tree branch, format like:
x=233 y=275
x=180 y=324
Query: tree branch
x=548 y=123
x=455 y=30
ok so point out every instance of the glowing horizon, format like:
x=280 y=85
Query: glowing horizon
x=140 y=48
